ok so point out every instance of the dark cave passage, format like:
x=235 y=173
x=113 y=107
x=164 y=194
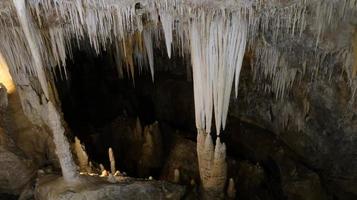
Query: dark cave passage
x=100 y=108
x=102 y=111
x=94 y=95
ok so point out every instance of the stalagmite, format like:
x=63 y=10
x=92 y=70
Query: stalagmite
x=214 y=33
x=112 y=161
x=151 y=155
x=104 y=173
x=217 y=49
x=212 y=166
x=62 y=146
x=81 y=156
x=176 y=176
x=231 y=190
x=138 y=128
x=101 y=166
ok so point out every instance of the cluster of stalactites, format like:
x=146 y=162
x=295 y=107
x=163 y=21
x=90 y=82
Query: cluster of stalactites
x=217 y=44
x=214 y=33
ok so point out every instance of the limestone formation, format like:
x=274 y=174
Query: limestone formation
x=81 y=156
x=64 y=154
x=212 y=166
x=176 y=176
x=302 y=57
x=112 y=161
x=151 y=155
x=231 y=190
x=16 y=171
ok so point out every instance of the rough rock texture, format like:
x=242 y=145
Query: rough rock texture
x=3 y=96
x=182 y=156
x=34 y=140
x=15 y=169
x=317 y=120
x=94 y=188
x=270 y=169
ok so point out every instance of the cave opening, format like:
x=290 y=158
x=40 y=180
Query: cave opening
x=102 y=109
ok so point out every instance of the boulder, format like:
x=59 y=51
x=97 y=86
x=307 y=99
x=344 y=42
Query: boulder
x=16 y=171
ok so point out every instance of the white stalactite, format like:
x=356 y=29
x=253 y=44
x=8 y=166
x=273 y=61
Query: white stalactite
x=216 y=33
x=167 y=26
x=31 y=37
x=105 y=22
x=149 y=49
x=217 y=50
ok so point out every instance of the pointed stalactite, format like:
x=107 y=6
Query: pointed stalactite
x=167 y=26
x=106 y=22
x=149 y=50
x=31 y=35
x=217 y=50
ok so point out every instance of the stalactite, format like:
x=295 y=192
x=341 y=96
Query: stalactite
x=214 y=33
x=31 y=34
x=149 y=49
x=167 y=26
x=217 y=49
x=106 y=22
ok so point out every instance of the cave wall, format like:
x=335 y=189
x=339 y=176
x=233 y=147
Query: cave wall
x=316 y=119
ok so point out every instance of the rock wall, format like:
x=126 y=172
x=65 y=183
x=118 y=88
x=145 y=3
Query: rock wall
x=16 y=170
x=316 y=119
